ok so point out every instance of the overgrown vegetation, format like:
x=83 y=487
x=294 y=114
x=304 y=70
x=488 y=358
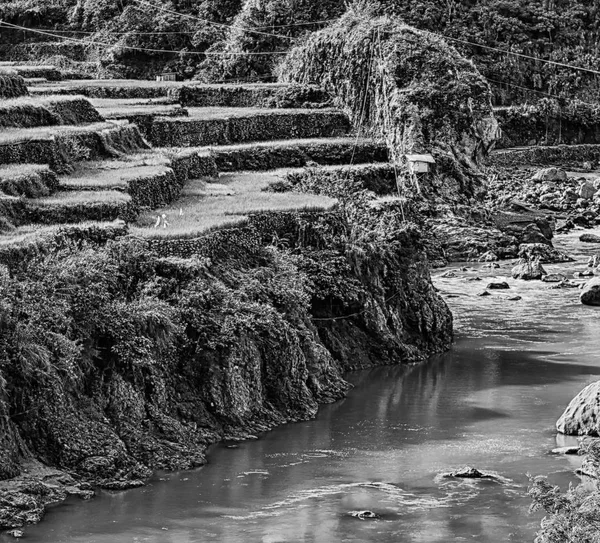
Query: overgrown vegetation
x=563 y=31
x=572 y=516
x=405 y=86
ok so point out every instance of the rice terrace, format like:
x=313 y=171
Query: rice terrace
x=299 y=271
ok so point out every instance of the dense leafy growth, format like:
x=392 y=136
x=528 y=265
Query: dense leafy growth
x=562 y=31
x=574 y=515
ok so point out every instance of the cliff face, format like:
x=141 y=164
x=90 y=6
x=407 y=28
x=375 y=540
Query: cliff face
x=117 y=361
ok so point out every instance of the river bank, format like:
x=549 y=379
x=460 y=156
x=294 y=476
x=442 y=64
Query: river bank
x=491 y=402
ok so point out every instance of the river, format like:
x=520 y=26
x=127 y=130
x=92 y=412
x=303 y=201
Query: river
x=491 y=403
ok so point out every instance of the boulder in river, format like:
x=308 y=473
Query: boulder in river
x=528 y=269
x=564 y=284
x=554 y=278
x=589 y=238
x=546 y=253
x=468 y=472
x=498 y=285
x=590 y=294
x=484 y=293
x=587 y=190
x=363 y=515
x=594 y=261
x=533 y=234
x=566 y=450
x=582 y=415
x=550 y=174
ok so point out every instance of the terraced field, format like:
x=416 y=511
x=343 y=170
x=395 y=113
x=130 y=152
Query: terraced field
x=83 y=154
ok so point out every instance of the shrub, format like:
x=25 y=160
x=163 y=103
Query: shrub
x=574 y=515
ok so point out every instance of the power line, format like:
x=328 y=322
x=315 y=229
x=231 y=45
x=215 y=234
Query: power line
x=521 y=87
x=177 y=51
x=296 y=24
x=521 y=55
x=91 y=32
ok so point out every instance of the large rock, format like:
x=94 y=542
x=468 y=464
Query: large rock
x=533 y=234
x=589 y=238
x=528 y=269
x=463 y=242
x=550 y=174
x=582 y=416
x=591 y=292
x=587 y=191
x=545 y=253
x=469 y=472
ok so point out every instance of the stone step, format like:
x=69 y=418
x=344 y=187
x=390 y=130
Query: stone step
x=77 y=206
x=35 y=80
x=222 y=126
x=143 y=115
x=28 y=112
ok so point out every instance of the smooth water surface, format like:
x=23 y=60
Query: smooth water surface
x=490 y=403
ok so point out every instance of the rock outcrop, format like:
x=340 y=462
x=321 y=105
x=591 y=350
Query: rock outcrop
x=528 y=269
x=582 y=416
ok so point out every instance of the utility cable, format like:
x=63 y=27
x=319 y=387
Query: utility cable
x=177 y=51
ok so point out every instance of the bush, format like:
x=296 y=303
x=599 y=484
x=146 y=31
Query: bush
x=574 y=515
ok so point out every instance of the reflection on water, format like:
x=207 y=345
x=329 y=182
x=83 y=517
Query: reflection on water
x=490 y=403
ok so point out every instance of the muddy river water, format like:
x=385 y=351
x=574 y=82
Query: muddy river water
x=491 y=402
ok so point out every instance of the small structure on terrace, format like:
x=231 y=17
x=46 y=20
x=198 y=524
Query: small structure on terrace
x=419 y=163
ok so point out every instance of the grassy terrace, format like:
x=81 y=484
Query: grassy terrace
x=27 y=111
x=204 y=205
x=108 y=173
x=225 y=125
x=293 y=153
x=108 y=176
x=31 y=233
x=129 y=111
x=12 y=135
x=127 y=88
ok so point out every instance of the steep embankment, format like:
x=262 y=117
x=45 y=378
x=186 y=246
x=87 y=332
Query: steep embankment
x=117 y=361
